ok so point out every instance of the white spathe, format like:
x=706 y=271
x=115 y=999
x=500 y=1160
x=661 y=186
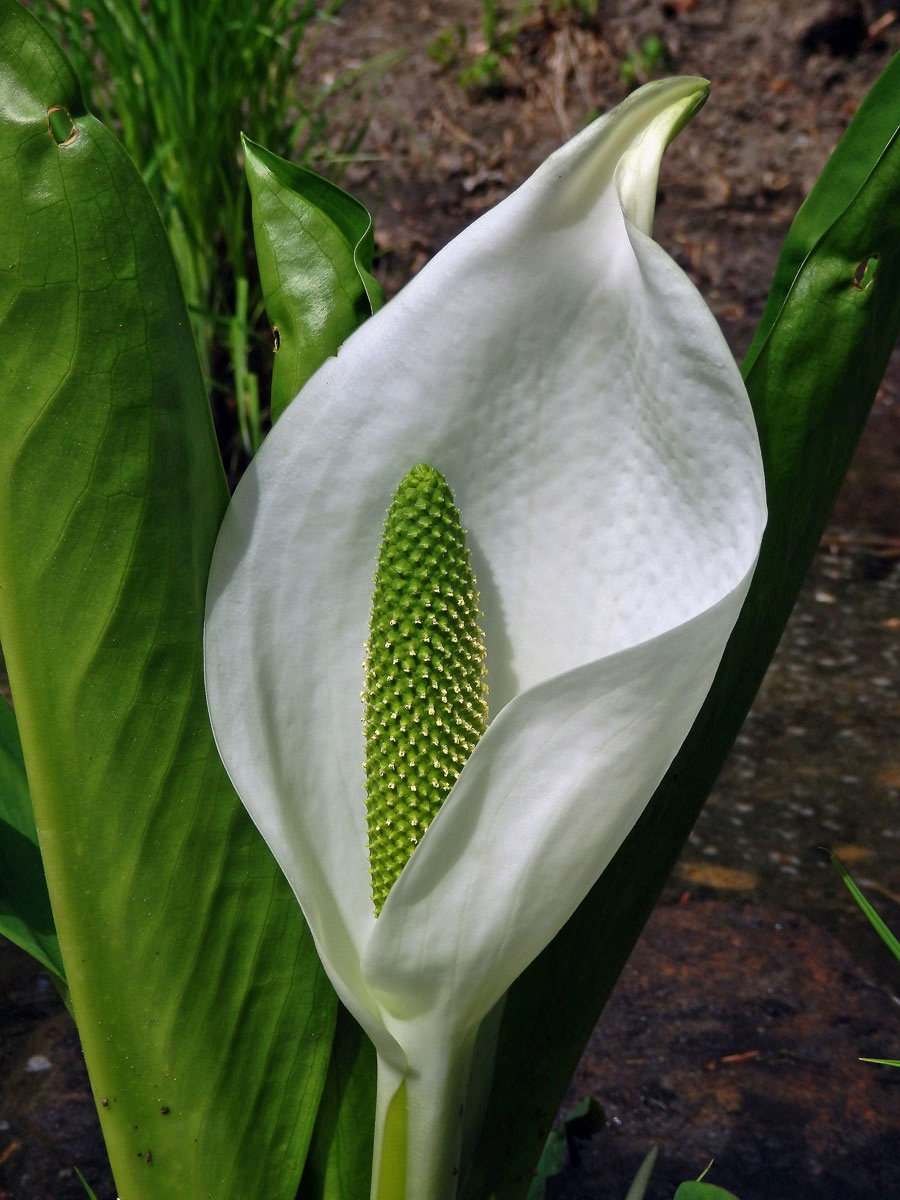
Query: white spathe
x=562 y=373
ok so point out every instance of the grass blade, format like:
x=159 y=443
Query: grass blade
x=89 y=1192
x=874 y=919
x=641 y=1181
x=178 y=81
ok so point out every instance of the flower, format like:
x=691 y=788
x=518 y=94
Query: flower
x=564 y=376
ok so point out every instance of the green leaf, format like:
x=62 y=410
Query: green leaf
x=880 y=928
x=702 y=1191
x=585 y=1119
x=89 y=1192
x=641 y=1181
x=849 y=167
x=314 y=246
x=874 y=919
x=339 y=1166
x=551 y=1162
x=204 y=1016
x=812 y=381
x=25 y=915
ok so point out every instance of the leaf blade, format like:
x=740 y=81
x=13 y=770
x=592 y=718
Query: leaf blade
x=871 y=914
x=702 y=1191
x=204 y=1015
x=314 y=245
x=339 y=1166
x=25 y=914
x=852 y=163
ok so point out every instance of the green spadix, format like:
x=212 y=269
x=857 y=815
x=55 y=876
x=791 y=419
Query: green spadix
x=425 y=697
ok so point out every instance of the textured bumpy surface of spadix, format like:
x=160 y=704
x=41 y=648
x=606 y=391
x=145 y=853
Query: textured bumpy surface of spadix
x=569 y=383
x=425 y=704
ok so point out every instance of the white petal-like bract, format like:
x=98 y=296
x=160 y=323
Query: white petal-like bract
x=565 y=377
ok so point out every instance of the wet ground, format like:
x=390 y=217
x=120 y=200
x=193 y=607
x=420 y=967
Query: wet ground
x=769 y=1085
x=818 y=761
x=736 y=1028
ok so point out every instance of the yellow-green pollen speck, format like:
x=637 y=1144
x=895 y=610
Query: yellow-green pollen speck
x=426 y=695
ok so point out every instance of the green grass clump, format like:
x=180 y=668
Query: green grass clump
x=584 y=8
x=179 y=81
x=445 y=47
x=650 y=59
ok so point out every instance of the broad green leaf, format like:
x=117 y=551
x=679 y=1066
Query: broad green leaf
x=339 y=1166
x=874 y=127
x=204 y=1016
x=314 y=246
x=551 y=1162
x=585 y=1119
x=703 y=1191
x=812 y=382
x=25 y=915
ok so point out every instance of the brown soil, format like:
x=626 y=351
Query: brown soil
x=735 y=1030
x=734 y=1035
x=779 y=101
